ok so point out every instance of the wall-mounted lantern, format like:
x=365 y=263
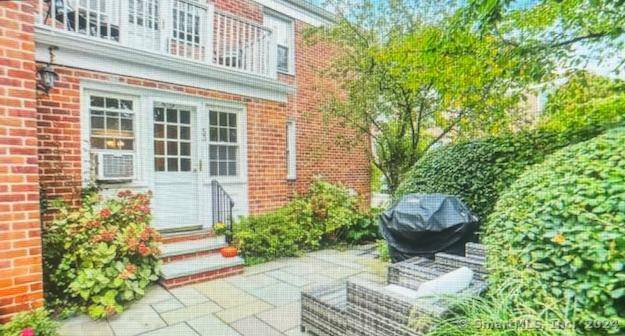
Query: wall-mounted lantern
x=46 y=77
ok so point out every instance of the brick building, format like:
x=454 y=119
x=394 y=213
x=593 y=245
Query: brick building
x=159 y=95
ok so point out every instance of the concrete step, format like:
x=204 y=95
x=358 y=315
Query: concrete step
x=172 y=237
x=179 y=250
x=197 y=269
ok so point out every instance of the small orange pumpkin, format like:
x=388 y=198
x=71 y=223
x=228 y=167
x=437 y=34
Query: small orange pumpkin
x=229 y=252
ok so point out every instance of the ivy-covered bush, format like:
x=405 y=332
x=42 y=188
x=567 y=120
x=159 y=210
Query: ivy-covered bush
x=564 y=221
x=327 y=214
x=478 y=171
x=35 y=322
x=102 y=255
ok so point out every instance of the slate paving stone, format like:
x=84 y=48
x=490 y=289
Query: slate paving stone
x=246 y=282
x=188 y=296
x=189 y=313
x=224 y=294
x=278 y=294
x=282 y=318
x=291 y=279
x=84 y=326
x=236 y=313
x=210 y=325
x=181 y=329
x=251 y=326
x=137 y=319
x=167 y=305
x=155 y=294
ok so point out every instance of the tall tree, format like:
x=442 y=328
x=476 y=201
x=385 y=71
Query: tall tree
x=411 y=79
x=570 y=33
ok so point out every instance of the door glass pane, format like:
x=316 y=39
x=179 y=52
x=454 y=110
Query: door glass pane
x=159 y=131
x=159 y=115
x=185 y=165
x=159 y=164
x=185 y=148
x=159 y=148
x=185 y=133
x=172 y=148
x=172 y=115
x=172 y=132
x=185 y=117
x=172 y=164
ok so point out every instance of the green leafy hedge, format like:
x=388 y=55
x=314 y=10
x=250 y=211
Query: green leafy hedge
x=326 y=215
x=100 y=256
x=478 y=171
x=564 y=221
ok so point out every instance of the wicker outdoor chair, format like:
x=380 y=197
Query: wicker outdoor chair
x=363 y=307
x=324 y=310
x=374 y=310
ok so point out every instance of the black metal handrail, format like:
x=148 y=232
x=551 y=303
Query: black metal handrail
x=222 y=208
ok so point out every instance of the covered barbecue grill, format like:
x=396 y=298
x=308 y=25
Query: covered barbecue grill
x=421 y=225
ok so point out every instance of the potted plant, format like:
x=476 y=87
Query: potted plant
x=221 y=228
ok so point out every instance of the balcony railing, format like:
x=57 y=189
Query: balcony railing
x=180 y=28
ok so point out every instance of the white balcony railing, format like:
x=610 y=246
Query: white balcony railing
x=180 y=28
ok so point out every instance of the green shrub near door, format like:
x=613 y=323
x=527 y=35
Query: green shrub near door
x=563 y=221
x=326 y=215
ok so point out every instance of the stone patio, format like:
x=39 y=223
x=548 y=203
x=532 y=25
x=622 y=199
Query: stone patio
x=264 y=301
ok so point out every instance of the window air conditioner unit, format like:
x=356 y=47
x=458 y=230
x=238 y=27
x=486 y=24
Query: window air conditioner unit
x=115 y=167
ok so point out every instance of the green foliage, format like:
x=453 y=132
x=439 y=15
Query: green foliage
x=585 y=100
x=478 y=171
x=327 y=215
x=567 y=33
x=563 y=220
x=408 y=77
x=102 y=255
x=382 y=247
x=376 y=179
x=497 y=313
x=39 y=320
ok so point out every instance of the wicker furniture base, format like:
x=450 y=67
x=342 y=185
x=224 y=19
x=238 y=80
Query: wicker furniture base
x=324 y=310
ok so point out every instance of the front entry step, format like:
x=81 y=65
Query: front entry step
x=198 y=269
x=191 y=248
x=193 y=256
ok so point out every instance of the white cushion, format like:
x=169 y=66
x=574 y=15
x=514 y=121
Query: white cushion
x=446 y=284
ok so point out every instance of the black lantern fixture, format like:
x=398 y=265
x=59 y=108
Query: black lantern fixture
x=46 y=77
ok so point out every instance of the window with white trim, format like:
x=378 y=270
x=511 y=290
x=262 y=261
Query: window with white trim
x=112 y=123
x=223 y=144
x=291 y=150
x=284 y=36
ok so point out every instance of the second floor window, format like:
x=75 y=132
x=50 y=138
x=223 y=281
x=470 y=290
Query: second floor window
x=283 y=32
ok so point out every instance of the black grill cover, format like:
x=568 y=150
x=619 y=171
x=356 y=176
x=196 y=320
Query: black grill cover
x=421 y=225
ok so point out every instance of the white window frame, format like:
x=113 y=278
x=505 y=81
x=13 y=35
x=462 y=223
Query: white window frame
x=237 y=144
x=269 y=15
x=133 y=112
x=291 y=150
x=87 y=151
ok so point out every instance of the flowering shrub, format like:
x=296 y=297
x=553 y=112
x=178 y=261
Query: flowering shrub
x=101 y=255
x=32 y=323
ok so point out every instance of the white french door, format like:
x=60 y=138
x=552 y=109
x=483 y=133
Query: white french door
x=176 y=163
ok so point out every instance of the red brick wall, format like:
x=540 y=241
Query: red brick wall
x=318 y=148
x=20 y=242
x=245 y=8
x=321 y=146
x=58 y=120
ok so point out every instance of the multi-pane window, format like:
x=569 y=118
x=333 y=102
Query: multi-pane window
x=223 y=146
x=187 y=30
x=283 y=33
x=112 y=123
x=172 y=139
x=144 y=13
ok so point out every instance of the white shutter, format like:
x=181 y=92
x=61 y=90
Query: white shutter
x=291 y=150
